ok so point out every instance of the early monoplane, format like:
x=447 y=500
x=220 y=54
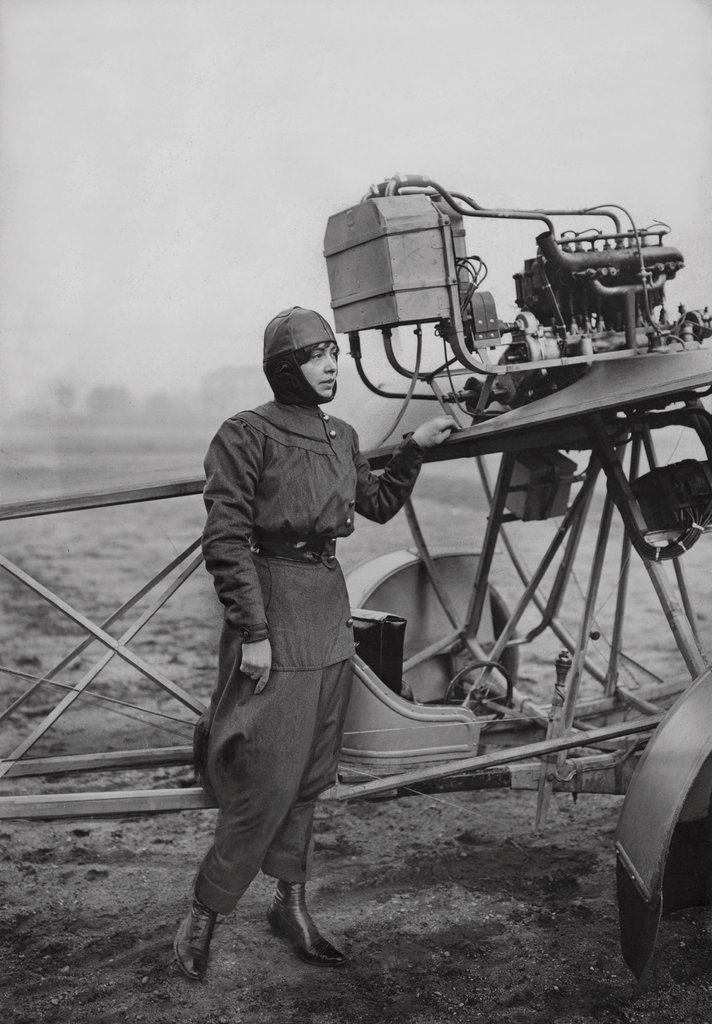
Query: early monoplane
x=572 y=391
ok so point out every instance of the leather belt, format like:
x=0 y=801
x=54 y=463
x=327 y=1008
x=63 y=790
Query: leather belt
x=309 y=551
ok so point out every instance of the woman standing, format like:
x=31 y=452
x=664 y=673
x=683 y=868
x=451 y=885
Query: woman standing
x=282 y=483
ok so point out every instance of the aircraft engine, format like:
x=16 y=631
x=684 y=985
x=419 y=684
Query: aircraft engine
x=399 y=257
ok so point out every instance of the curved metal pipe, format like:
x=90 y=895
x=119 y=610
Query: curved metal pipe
x=694 y=417
x=401 y=182
x=621 y=259
x=355 y=352
x=393 y=362
x=609 y=290
x=551 y=213
x=415 y=376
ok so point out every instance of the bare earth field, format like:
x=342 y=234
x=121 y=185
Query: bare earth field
x=452 y=908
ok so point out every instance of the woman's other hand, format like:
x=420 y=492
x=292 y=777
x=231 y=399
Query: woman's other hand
x=434 y=432
x=257 y=662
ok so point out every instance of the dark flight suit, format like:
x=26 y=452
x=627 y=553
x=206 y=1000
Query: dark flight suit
x=283 y=482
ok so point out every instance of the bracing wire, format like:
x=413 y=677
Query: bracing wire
x=95 y=696
x=119 y=705
x=410 y=789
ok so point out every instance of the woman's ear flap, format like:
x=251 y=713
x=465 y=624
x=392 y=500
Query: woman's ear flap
x=283 y=368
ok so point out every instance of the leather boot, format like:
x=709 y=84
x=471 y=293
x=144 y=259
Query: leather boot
x=289 y=918
x=192 y=942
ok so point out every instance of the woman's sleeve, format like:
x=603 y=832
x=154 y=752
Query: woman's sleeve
x=232 y=470
x=379 y=497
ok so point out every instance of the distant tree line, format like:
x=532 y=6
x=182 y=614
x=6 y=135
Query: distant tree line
x=218 y=394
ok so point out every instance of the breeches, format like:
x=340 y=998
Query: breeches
x=270 y=755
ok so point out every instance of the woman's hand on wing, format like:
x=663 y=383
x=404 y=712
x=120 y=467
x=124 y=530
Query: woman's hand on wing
x=434 y=432
x=257 y=662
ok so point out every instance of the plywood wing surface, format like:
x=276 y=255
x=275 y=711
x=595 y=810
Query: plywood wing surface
x=606 y=385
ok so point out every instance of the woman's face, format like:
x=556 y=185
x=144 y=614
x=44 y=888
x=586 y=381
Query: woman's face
x=322 y=367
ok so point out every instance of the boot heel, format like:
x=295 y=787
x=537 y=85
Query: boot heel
x=289 y=919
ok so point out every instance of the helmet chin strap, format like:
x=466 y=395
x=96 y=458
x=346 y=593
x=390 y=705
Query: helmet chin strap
x=288 y=383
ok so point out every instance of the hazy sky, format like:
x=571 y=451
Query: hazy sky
x=167 y=167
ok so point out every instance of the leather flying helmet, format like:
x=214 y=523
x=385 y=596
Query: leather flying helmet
x=288 y=340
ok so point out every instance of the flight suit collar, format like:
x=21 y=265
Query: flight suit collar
x=301 y=420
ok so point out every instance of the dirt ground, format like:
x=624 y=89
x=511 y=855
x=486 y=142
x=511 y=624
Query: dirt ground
x=451 y=908
x=450 y=911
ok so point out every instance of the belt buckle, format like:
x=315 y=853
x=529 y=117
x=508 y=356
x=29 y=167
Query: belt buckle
x=328 y=554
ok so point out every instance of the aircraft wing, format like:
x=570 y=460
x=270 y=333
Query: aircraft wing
x=607 y=385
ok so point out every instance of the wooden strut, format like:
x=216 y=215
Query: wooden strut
x=571 y=526
x=116 y=647
x=459 y=636
x=682 y=631
x=620 y=693
x=557 y=627
x=525 y=705
x=61 y=764
x=101 y=499
x=522 y=753
x=494 y=520
x=574 y=685
x=579 y=648
x=611 y=681
x=77 y=805
x=138 y=801
x=577 y=510
x=114 y=617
